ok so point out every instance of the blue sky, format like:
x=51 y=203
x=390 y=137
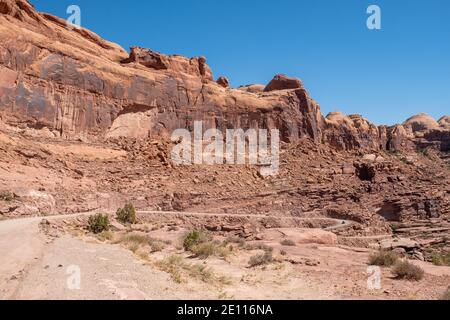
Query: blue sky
x=386 y=75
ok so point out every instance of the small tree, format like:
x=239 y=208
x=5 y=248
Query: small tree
x=98 y=223
x=127 y=214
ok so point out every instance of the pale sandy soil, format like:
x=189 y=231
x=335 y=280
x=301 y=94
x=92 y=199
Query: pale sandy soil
x=34 y=268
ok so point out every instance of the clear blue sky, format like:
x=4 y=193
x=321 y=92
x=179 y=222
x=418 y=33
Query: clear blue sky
x=385 y=75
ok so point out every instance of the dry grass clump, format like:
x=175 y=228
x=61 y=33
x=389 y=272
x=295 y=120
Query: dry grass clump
x=202 y=245
x=383 y=258
x=288 y=243
x=135 y=241
x=441 y=259
x=260 y=260
x=235 y=240
x=408 y=271
x=178 y=269
x=105 y=236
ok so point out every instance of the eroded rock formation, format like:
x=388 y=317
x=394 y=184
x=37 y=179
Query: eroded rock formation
x=72 y=81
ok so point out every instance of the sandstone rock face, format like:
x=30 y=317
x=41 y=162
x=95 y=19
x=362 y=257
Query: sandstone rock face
x=421 y=122
x=444 y=122
x=148 y=58
x=98 y=91
x=253 y=88
x=283 y=82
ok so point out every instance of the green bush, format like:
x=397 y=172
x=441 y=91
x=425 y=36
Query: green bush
x=126 y=214
x=408 y=271
x=260 y=260
x=194 y=238
x=288 y=243
x=383 y=258
x=98 y=223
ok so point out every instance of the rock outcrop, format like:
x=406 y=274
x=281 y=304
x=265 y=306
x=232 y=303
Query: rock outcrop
x=283 y=82
x=73 y=82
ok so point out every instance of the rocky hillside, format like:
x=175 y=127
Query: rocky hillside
x=84 y=126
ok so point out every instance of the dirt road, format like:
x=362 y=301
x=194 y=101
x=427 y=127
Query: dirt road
x=33 y=268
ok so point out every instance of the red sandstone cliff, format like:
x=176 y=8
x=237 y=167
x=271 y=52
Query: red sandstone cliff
x=72 y=81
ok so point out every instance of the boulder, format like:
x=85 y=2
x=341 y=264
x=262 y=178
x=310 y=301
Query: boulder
x=223 y=82
x=282 y=82
x=391 y=244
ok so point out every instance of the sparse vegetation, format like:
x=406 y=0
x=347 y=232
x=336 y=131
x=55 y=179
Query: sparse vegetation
x=441 y=259
x=260 y=260
x=177 y=267
x=408 y=271
x=194 y=238
x=258 y=246
x=395 y=227
x=235 y=240
x=171 y=265
x=204 y=250
x=383 y=258
x=126 y=214
x=288 y=243
x=6 y=196
x=134 y=241
x=98 y=223
x=425 y=152
x=105 y=236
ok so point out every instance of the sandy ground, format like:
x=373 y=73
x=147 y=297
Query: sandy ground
x=32 y=267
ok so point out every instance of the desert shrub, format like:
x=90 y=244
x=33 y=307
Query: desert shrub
x=260 y=260
x=446 y=295
x=283 y=253
x=98 y=223
x=157 y=245
x=135 y=238
x=194 y=238
x=441 y=259
x=235 y=240
x=6 y=196
x=126 y=214
x=172 y=265
x=408 y=271
x=204 y=250
x=288 y=243
x=383 y=258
